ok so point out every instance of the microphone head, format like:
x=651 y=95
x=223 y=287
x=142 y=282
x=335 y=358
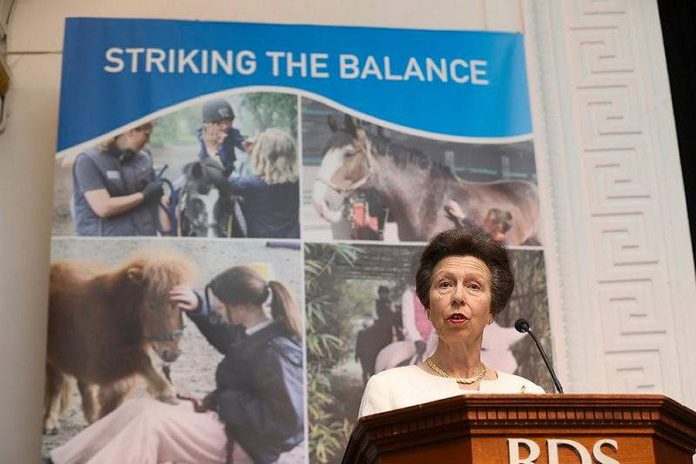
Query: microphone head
x=522 y=325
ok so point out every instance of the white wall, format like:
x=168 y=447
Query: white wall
x=593 y=234
x=622 y=277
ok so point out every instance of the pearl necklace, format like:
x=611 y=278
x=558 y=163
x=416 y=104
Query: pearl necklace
x=465 y=381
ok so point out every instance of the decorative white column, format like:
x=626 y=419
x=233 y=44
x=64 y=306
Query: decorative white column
x=621 y=275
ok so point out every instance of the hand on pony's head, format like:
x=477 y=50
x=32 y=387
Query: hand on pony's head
x=184 y=297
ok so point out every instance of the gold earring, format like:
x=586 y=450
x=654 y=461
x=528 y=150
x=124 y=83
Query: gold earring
x=490 y=321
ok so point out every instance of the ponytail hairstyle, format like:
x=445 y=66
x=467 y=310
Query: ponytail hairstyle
x=284 y=308
x=243 y=285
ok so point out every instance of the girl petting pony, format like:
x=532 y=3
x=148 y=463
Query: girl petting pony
x=258 y=401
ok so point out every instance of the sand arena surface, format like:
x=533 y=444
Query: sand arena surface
x=193 y=375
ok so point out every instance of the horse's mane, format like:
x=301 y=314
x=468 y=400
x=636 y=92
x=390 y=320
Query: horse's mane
x=404 y=156
x=207 y=163
x=211 y=170
x=340 y=138
x=163 y=269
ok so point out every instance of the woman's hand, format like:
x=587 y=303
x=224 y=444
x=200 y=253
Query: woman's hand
x=184 y=297
x=248 y=145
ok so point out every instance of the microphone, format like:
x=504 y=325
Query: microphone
x=523 y=326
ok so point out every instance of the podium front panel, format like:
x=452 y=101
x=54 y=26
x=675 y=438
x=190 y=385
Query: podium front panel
x=525 y=429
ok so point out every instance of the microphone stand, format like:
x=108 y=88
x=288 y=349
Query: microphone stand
x=523 y=326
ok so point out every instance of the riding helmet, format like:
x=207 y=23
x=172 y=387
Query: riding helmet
x=215 y=110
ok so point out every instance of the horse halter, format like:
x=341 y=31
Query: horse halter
x=220 y=222
x=168 y=337
x=346 y=191
x=173 y=336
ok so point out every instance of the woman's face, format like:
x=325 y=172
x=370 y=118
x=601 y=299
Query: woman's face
x=234 y=314
x=135 y=139
x=460 y=298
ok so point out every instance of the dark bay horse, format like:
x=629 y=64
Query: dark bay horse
x=207 y=207
x=415 y=188
x=102 y=322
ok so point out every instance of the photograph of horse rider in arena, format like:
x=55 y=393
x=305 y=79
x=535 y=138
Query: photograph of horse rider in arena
x=385 y=329
x=115 y=189
x=255 y=413
x=424 y=185
x=464 y=280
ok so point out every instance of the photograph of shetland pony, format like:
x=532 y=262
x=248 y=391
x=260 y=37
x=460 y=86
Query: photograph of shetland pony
x=102 y=322
x=206 y=206
x=415 y=188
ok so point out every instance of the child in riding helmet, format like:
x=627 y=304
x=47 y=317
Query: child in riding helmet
x=217 y=136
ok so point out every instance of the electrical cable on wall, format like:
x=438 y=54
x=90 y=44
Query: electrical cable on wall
x=2 y=114
x=6 y=7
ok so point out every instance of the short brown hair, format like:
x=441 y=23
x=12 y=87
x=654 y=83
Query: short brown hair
x=467 y=241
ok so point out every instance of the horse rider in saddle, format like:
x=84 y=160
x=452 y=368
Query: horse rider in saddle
x=383 y=331
x=219 y=139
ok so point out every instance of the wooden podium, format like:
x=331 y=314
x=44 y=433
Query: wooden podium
x=525 y=429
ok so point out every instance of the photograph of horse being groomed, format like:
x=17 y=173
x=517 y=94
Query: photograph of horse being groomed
x=365 y=182
x=363 y=317
x=181 y=350
x=221 y=166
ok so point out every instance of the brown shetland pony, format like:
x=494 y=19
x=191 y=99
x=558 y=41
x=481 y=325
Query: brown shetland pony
x=416 y=189
x=102 y=322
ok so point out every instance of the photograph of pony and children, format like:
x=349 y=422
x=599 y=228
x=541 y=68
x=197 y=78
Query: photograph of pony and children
x=181 y=351
x=226 y=166
x=366 y=182
x=363 y=316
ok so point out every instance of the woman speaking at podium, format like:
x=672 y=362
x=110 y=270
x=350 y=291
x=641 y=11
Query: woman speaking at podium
x=464 y=280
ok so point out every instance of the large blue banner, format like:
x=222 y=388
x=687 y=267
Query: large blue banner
x=451 y=83
x=274 y=186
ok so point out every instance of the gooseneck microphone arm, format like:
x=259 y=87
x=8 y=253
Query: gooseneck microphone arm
x=523 y=326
